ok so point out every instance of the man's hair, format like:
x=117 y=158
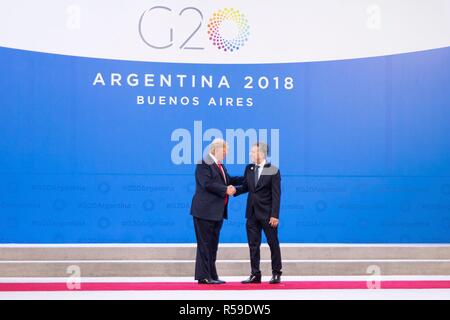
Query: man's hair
x=217 y=143
x=262 y=147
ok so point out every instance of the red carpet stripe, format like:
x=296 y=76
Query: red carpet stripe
x=287 y=285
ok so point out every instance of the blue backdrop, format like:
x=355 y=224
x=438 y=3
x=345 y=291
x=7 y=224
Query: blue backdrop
x=364 y=149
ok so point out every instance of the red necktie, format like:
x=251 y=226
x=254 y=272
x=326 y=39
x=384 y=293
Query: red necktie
x=225 y=201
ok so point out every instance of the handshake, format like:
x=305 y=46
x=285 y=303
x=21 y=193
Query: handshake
x=231 y=190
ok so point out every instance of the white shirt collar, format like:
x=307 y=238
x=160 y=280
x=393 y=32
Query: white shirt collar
x=262 y=164
x=214 y=158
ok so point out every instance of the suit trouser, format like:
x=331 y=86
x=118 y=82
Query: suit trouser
x=207 y=233
x=254 y=227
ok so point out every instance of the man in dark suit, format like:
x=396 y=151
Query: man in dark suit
x=262 y=182
x=209 y=208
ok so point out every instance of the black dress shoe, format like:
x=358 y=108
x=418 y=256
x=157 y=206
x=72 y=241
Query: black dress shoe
x=206 y=281
x=276 y=278
x=252 y=279
x=218 y=281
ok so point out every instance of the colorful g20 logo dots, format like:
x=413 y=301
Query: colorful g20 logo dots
x=227 y=17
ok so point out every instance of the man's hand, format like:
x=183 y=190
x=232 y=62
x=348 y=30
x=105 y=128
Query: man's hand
x=231 y=190
x=273 y=222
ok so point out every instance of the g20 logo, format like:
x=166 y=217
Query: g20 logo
x=227 y=29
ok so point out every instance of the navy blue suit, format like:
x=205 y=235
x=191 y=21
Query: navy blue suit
x=209 y=209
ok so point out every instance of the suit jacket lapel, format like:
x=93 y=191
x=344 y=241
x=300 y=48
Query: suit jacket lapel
x=259 y=179
x=214 y=165
x=224 y=172
x=261 y=176
x=252 y=176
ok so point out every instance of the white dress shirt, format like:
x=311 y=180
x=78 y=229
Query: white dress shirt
x=220 y=167
x=261 y=167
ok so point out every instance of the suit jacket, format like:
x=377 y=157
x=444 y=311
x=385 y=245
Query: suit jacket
x=264 y=198
x=210 y=191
